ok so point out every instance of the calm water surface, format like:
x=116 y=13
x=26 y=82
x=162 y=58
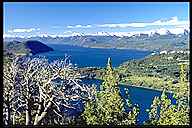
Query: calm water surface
x=93 y=57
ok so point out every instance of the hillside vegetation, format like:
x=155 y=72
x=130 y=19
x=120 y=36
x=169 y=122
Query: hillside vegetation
x=156 y=72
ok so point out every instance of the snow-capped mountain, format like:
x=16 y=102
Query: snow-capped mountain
x=145 y=40
x=161 y=31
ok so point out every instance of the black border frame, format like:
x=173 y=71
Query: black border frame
x=1 y=62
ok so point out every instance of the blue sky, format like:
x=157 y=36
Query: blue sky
x=65 y=18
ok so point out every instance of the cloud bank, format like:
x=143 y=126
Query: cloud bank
x=22 y=30
x=79 y=26
x=173 y=21
x=174 y=25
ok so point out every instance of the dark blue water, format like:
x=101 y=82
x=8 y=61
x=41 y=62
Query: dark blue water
x=138 y=96
x=143 y=97
x=93 y=57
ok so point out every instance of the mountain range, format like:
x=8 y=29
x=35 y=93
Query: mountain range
x=149 y=40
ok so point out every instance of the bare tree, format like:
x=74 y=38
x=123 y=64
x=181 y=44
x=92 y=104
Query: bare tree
x=9 y=90
x=38 y=92
x=52 y=96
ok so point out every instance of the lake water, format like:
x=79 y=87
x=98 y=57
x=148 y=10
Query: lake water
x=93 y=57
x=138 y=96
x=141 y=96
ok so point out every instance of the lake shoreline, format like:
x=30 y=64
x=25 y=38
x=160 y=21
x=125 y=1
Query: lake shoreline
x=137 y=86
x=145 y=87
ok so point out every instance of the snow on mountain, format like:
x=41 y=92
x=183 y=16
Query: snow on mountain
x=161 y=31
x=177 y=30
x=43 y=35
x=100 y=34
x=119 y=34
x=77 y=34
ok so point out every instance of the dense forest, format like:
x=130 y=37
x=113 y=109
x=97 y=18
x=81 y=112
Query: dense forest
x=32 y=95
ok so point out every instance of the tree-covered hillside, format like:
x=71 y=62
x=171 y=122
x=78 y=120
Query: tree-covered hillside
x=161 y=65
x=157 y=72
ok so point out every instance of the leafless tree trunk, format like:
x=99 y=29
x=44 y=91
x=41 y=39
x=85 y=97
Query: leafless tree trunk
x=37 y=90
x=39 y=109
x=9 y=115
x=43 y=114
x=14 y=117
x=28 y=112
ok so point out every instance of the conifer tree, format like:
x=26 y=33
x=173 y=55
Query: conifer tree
x=163 y=112
x=169 y=114
x=108 y=106
x=182 y=90
x=110 y=80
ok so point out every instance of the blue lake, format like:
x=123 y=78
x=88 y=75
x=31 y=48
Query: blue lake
x=143 y=97
x=140 y=96
x=93 y=57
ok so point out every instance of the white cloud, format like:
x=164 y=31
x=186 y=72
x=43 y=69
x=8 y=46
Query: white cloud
x=79 y=26
x=69 y=26
x=22 y=30
x=8 y=35
x=173 y=21
x=123 y=25
x=12 y=36
x=65 y=32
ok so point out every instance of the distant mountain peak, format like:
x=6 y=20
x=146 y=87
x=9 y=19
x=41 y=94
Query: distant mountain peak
x=153 y=32
x=186 y=32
